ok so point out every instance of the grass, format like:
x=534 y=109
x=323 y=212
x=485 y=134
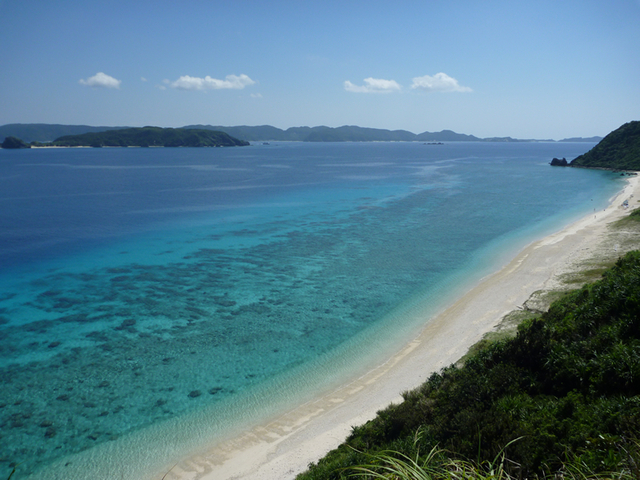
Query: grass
x=631 y=220
x=588 y=275
x=506 y=329
x=12 y=472
x=438 y=465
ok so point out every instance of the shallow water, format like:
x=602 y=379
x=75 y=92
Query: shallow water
x=153 y=298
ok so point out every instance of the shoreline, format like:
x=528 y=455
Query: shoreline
x=283 y=447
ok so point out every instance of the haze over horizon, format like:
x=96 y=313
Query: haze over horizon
x=498 y=68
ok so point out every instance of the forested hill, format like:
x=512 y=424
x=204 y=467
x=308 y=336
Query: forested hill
x=46 y=132
x=347 y=133
x=620 y=150
x=39 y=132
x=151 y=137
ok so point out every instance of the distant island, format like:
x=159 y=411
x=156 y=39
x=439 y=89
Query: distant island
x=339 y=134
x=620 y=150
x=13 y=143
x=46 y=133
x=145 y=137
x=352 y=133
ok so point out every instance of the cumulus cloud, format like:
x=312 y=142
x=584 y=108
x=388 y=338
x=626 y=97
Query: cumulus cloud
x=440 y=82
x=236 y=82
x=373 y=85
x=101 y=80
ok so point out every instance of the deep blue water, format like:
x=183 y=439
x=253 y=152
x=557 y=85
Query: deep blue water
x=143 y=287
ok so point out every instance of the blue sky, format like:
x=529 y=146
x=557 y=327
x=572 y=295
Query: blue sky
x=526 y=69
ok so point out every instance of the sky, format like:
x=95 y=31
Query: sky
x=544 y=69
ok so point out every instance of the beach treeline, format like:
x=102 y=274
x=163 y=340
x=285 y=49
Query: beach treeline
x=563 y=395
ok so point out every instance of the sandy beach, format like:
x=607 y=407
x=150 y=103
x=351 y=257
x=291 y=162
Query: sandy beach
x=282 y=448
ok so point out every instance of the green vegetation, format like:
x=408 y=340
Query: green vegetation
x=439 y=465
x=567 y=387
x=150 y=137
x=620 y=150
x=346 y=133
x=13 y=142
x=351 y=133
x=321 y=134
x=12 y=472
x=630 y=220
x=46 y=132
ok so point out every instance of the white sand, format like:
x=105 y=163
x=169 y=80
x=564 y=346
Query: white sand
x=284 y=447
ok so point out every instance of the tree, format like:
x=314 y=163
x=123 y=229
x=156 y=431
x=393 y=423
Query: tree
x=13 y=142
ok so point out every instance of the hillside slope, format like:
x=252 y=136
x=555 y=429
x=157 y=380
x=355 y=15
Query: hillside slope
x=151 y=137
x=45 y=132
x=620 y=150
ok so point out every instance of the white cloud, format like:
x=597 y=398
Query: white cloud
x=373 y=85
x=142 y=79
x=187 y=82
x=101 y=80
x=440 y=82
x=256 y=95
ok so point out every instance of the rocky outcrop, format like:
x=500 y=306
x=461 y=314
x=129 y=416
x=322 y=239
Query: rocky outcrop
x=557 y=162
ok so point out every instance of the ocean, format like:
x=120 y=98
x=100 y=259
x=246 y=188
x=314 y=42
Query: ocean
x=152 y=300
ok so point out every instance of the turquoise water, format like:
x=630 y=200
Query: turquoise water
x=151 y=299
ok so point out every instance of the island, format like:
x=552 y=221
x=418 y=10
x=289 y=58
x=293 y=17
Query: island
x=14 y=143
x=557 y=162
x=150 y=137
x=42 y=132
